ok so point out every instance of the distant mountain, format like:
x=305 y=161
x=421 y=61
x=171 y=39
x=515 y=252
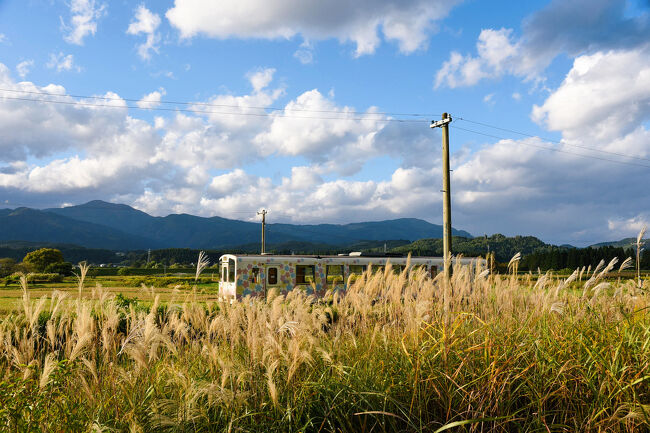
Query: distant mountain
x=24 y=224
x=623 y=243
x=98 y=224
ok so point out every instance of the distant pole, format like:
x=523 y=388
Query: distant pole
x=149 y=256
x=263 y=213
x=446 y=191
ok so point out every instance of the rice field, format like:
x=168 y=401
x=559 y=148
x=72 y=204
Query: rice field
x=395 y=352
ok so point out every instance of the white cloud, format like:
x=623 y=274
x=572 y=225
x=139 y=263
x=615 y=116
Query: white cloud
x=604 y=96
x=24 y=67
x=489 y=99
x=62 y=62
x=199 y=162
x=628 y=227
x=151 y=100
x=304 y=56
x=261 y=79
x=516 y=96
x=408 y=22
x=145 y=22
x=83 y=20
x=577 y=27
x=498 y=54
x=3 y=38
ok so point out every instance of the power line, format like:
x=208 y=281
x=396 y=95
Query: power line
x=270 y=108
x=553 y=149
x=227 y=113
x=552 y=141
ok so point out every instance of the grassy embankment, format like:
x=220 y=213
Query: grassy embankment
x=394 y=353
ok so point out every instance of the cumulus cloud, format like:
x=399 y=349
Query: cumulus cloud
x=24 y=67
x=151 y=100
x=602 y=105
x=145 y=22
x=62 y=62
x=200 y=162
x=628 y=227
x=409 y=23
x=575 y=28
x=84 y=15
x=604 y=95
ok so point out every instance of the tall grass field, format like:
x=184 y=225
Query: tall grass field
x=394 y=353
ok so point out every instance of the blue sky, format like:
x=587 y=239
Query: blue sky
x=303 y=82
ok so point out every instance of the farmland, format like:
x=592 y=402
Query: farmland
x=396 y=352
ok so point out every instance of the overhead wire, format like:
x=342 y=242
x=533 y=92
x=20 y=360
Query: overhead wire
x=274 y=113
x=552 y=148
x=525 y=134
x=207 y=104
x=226 y=113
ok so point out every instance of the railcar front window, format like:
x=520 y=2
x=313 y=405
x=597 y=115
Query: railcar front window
x=304 y=274
x=224 y=271
x=231 y=271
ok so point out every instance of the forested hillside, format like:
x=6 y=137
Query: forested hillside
x=503 y=247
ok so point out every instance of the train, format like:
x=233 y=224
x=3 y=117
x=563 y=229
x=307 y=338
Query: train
x=256 y=274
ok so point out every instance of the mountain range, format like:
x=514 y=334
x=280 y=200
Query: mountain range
x=99 y=224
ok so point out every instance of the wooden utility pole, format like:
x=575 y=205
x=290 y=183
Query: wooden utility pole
x=263 y=213
x=446 y=191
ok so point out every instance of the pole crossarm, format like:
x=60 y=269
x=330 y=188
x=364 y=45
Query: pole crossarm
x=440 y=123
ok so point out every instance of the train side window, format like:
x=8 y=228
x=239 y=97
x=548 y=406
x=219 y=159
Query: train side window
x=255 y=275
x=272 y=276
x=357 y=269
x=304 y=274
x=334 y=274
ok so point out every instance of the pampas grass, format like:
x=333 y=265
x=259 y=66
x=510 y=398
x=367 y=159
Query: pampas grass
x=395 y=352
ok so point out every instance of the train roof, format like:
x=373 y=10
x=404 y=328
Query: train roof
x=318 y=256
x=364 y=257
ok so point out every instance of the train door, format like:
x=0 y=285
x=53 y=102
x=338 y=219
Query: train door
x=227 y=282
x=272 y=278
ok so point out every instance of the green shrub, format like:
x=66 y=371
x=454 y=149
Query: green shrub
x=34 y=277
x=165 y=281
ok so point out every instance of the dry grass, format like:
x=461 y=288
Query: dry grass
x=394 y=353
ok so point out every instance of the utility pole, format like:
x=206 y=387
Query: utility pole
x=263 y=213
x=446 y=196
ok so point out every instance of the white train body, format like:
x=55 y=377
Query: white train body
x=243 y=275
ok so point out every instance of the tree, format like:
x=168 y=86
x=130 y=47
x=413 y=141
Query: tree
x=61 y=268
x=40 y=259
x=7 y=266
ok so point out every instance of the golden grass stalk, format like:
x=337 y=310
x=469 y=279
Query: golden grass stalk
x=201 y=264
x=81 y=276
x=639 y=248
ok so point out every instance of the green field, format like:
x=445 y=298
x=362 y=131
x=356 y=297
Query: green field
x=205 y=291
